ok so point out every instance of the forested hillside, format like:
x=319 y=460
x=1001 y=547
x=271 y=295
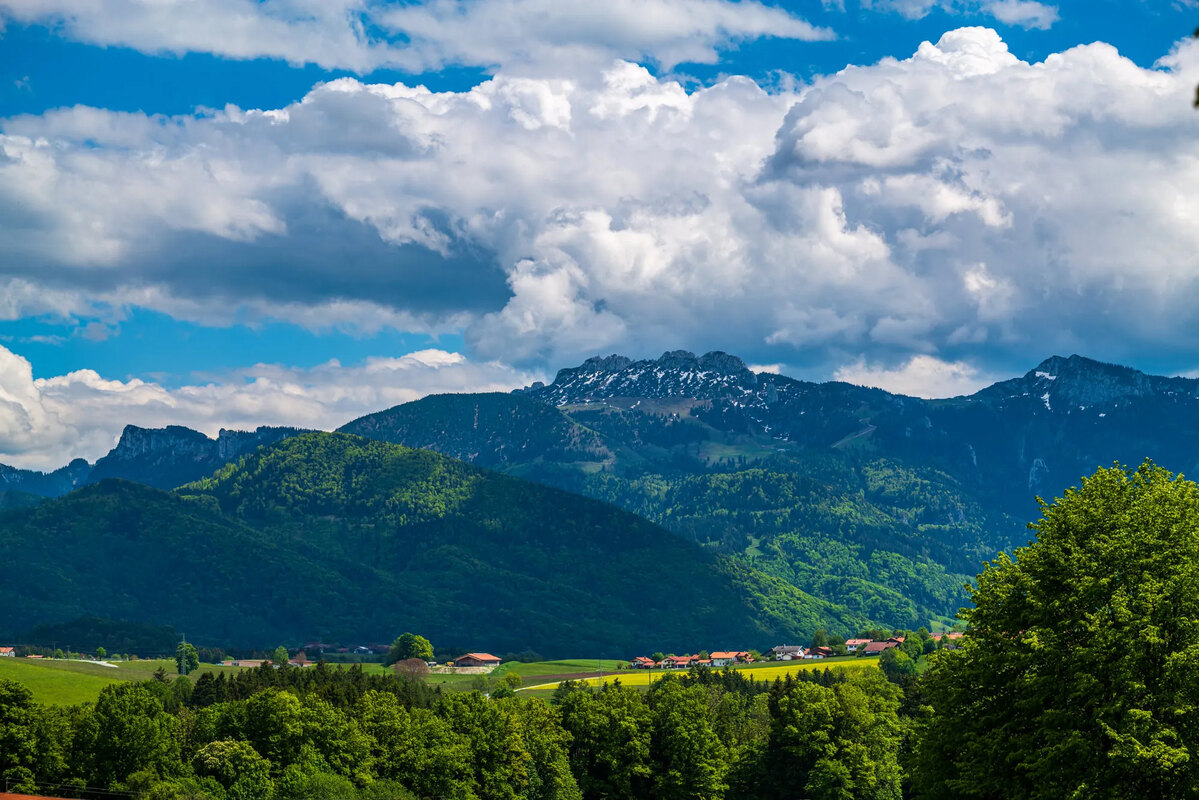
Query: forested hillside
x=331 y=535
x=880 y=502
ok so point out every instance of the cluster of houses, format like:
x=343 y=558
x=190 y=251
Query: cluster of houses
x=301 y=659
x=718 y=659
x=785 y=652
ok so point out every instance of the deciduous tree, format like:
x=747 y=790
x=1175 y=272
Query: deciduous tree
x=1079 y=676
x=409 y=645
x=187 y=660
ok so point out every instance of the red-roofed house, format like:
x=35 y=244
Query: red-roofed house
x=948 y=640
x=852 y=645
x=641 y=662
x=819 y=652
x=677 y=662
x=725 y=657
x=874 y=648
x=8 y=652
x=477 y=660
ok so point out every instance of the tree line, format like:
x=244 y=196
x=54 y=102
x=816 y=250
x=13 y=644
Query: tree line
x=339 y=733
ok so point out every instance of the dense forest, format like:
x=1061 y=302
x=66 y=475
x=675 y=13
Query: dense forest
x=338 y=537
x=1076 y=678
x=326 y=734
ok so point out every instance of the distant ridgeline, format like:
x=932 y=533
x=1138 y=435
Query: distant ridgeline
x=162 y=458
x=814 y=504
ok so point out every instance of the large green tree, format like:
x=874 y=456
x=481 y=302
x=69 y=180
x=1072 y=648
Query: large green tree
x=1079 y=676
x=18 y=743
x=236 y=766
x=416 y=748
x=610 y=742
x=126 y=732
x=834 y=743
x=187 y=660
x=409 y=645
x=689 y=760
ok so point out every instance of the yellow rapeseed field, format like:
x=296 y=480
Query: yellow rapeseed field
x=634 y=678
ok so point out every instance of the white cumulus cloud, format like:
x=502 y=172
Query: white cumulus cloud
x=363 y=35
x=1028 y=14
x=45 y=422
x=920 y=376
x=961 y=203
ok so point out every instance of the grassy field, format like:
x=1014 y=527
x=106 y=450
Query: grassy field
x=530 y=671
x=54 y=683
x=62 y=682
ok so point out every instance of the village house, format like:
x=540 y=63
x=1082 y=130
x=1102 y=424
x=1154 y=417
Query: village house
x=787 y=652
x=723 y=658
x=247 y=662
x=677 y=662
x=949 y=641
x=300 y=660
x=8 y=652
x=476 y=660
x=820 y=652
x=874 y=648
x=641 y=662
x=852 y=645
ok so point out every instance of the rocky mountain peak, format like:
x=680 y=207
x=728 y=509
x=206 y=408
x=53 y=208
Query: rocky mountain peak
x=1077 y=382
x=612 y=363
x=677 y=373
x=137 y=441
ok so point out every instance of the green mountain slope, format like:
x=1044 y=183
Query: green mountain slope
x=491 y=430
x=331 y=535
x=889 y=540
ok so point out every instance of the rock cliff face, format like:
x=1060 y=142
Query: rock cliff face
x=168 y=457
x=160 y=457
x=235 y=444
x=173 y=441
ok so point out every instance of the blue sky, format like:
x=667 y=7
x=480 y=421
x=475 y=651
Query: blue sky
x=235 y=212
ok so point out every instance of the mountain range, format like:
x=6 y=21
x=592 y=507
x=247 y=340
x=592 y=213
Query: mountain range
x=334 y=536
x=829 y=503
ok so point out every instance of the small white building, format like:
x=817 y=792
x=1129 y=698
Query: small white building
x=788 y=652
